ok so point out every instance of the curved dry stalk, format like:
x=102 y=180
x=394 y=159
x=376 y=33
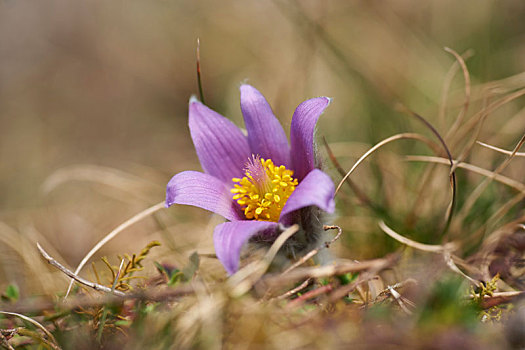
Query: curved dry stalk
x=408 y=242
x=447 y=82
x=24 y=248
x=472 y=141
x=504 y=209
x=469 y=124
x=244 y=279
x=136 y=218
x=94 y=173
x=452 y=175
x=445 y=250
x=501 y=150
x=500 y=178
x=381 y=144
x=474 y=196
x=360 y=194
x=466 y=77
x=505 y=85
x=69 y=273
x=54 y=343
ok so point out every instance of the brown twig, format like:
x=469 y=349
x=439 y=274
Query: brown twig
x=4 y=342
x=69 y=273
x=499 y=298
x=295 y=290
x=330 y=270
x=309 y=295
x=50 y=338
x=38 y=305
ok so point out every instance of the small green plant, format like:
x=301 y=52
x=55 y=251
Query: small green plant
x=484 y=290
x=11 y=293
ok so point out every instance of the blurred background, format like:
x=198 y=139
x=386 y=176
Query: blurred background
x=93 y=106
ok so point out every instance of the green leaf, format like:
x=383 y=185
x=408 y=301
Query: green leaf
x=190 y=269
x=11 y=293
x=175 y=277
x=347 y=278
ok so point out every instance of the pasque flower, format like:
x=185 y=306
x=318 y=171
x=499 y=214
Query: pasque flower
x=257 y=181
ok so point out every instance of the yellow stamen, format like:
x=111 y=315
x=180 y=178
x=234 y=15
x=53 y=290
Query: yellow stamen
x=263 y=192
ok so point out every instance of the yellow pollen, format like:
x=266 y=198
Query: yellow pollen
x=263 y=192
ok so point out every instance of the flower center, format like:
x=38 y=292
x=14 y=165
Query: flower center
x=263 y=192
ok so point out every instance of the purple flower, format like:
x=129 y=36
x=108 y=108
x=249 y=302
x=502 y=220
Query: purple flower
x=258 y=182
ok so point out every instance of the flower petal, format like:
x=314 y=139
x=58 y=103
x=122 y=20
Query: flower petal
x=229 y=238
x=221 y=146
x=203 y=191
x=266 y=136
x=302 y=134
x=317 y=188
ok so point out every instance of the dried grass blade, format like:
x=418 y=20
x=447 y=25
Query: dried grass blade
x=378 y=146
x=466 y=77
x=406 y=241
x=501 y=150
x=136 y=218
x=54 y=343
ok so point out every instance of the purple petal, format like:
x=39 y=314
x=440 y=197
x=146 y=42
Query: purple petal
x=221 y=146
x=316 y=189
x=229 y=238
x=302 y=134
x=265 y=134
x=203 y=191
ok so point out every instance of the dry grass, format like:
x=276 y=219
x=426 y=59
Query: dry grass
x=428 y=251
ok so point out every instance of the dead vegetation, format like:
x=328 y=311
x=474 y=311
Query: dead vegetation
x=428 y=245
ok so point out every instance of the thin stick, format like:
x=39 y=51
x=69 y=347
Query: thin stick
x=313 y=252
x=499 y=298
x=498 y=177
x=69 y=273
x=163 y=295
x=501 y=150
x=466 y=76
x=4 y=342
x=29 y=319
x=309 y=295
x=474 y=196
x=295 y=290
x=375 y=148
x=136 y=218
x=406 y=241
x=469 y=124
x=330 y=270
x=452 y=174
x=399 y=298
x=446 y=85
x=440 y=249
